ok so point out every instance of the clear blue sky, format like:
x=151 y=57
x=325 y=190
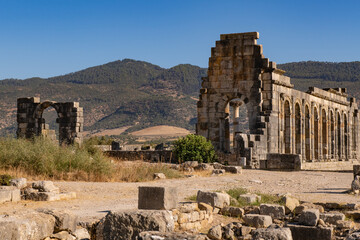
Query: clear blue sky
x=51 y=37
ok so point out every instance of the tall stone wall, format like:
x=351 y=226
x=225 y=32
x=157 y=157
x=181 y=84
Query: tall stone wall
x=31 y=123
x=319 y=125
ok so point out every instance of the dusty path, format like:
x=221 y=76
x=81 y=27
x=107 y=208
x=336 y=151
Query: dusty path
x=94 y=200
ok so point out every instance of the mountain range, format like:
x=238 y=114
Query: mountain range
x=139 y=94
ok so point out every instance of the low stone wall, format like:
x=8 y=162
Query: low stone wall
x=277 y=161
x=329 y=166
x=144 y=155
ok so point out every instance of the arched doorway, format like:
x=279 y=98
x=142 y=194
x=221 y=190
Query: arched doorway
x=332 y=132
x=324 y=133
x=297 y=129
x=238 y=121
x=346 y=131
x=339 y=151
x=307 y=133
x=46 y=115
x=316 y=133
x=287 y=127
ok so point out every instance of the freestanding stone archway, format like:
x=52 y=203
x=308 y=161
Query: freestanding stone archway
x=31 y=123
x=320 y=125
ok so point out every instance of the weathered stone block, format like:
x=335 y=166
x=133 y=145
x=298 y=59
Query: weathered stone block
x=43 y=196
x=290 y=203
x=300 y=232
x=232 y=211
x=45 y=186
x=128 y=225
x=233 y=169
x=5 y=195
x=64 y=220
x=214 y=199
x=332 y=218
x=157 y=198
x=19 y=182
x=272 y=233
x=257 y=221
x=250 y=198
x=274 y=210
x=309 y=217
x=25 y=226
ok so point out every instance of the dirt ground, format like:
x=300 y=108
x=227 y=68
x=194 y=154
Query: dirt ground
x=95 y=199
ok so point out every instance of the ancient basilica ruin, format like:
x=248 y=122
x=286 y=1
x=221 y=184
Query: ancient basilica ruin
x=317 y=126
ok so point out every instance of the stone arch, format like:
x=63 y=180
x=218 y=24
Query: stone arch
x=316 y=133
x=297 y=128
x=287 y=126
x=307 y=133
x=339 y=138
x=224 y=106
x=332 y=134
x=346 y=137
x=30 y=121
x=324 y=132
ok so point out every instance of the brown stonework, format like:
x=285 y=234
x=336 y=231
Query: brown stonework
x=320 y=125
x=31 y=123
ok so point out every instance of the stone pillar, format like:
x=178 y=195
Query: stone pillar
x=27 y=125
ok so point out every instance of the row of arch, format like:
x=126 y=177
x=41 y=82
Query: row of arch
x=318 y=133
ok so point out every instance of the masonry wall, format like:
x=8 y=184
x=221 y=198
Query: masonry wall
x=319 y=125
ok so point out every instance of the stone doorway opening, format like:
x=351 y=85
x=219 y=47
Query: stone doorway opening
x=238 y=121
x=49 y=125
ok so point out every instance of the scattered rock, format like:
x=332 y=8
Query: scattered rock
x=309 y=217
x=31 y=225
x=304 y=206
x=154 y=235
x=216 y=165
x=355 y=185
x=256 y=181
x=250 y=198
x=45 y=186
x=274 y=210
x=344 y=224
x=190 y=164
x=214 y=199
x=64 y=220
x=257 y=221
x=332 y=218
x=290 y=203
x=63 y=235
x=272 y=233
x=232 y=211
x=81 y=234
x=233 y=169
x=218 y=171
x=129 y=224
x=18 y=182
x=353 y=236
x=215 y=233
x=301 y=232
x=204 y=167
x=159 y=176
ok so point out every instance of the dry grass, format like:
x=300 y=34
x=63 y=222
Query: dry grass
x=139 y=171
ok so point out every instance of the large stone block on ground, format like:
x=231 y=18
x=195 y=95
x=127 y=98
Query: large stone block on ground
x=232 y=211
x=214 y=199
x=274 y=210
x=128 y=225
x=18 y=182
x=300 y=232
x=304 y=206
x=309 y=217
x=152 y=235
x=33 y=225
x=42 y=196
x=272 y=233
x=64 y=220
x=250 y=198
x=45 y=186
x=290 y=203
x=9 y=194
x=257 y=221
x=332 y=217
x=233 y=169
x=157 y=198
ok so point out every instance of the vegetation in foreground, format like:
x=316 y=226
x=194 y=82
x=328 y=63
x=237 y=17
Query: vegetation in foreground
x=265 y=198
x=44 y=159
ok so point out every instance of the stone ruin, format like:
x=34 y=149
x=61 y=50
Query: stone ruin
x=31 y=123
x=320 y=125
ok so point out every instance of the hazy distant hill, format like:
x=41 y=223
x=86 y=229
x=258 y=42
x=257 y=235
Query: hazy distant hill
x=140 y=94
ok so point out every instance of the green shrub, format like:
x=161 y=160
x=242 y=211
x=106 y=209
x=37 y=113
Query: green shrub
x=194 y=148
x=265 y=198
x=5 y=180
